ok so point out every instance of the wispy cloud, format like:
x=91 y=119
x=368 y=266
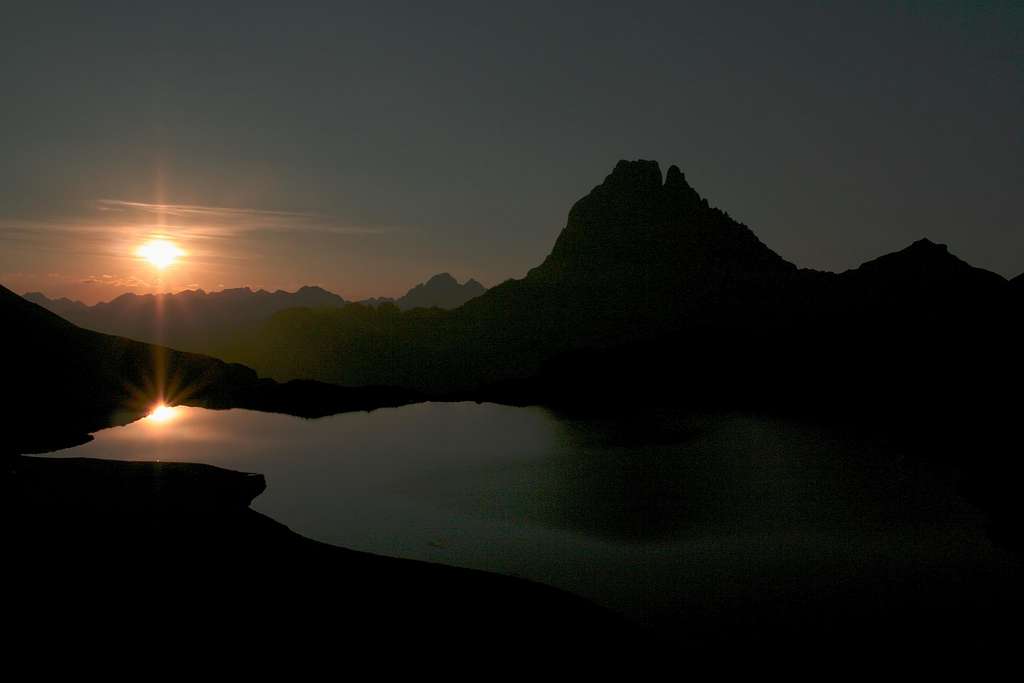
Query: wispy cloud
x=219 y=221
x=72 y=234
x=127 y=282
x=191 y=209
x=104 y=226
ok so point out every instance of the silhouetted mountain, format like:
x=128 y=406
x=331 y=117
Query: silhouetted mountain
x=64 y=307
x=193 y=320
x=376 y=301
x=651 y=295
x=440 y=291
x=638 y=258
x=640 y=261
x=64 y=381
x=1018 y=283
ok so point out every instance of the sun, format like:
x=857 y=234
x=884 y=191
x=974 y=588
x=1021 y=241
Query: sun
x=161 y=413
x=159 y=252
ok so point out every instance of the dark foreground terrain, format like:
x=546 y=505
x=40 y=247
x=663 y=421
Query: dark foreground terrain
x=124 y=550
x=171 y=555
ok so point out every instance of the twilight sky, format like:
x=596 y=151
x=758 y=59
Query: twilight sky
x=366 y=146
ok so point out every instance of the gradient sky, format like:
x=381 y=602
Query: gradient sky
x=364 y=147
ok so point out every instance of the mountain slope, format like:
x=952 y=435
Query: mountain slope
x=64 y=381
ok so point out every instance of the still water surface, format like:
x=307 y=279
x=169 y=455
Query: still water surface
x=657 y=517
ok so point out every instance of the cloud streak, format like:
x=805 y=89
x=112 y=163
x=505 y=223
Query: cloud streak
x=127 y=282
x=108 y=226
x=220 y=221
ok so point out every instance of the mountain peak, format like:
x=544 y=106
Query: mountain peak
x=442 y=278
x=675 y=177
x=635 y=174
x=36 y=297
x=922 y=253
x=677 y=187
x=440 y=291
x=309 y=289
x=924 y=266
x=635 y=227
x=925 y=245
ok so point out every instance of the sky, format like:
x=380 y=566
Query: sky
x=363 y=147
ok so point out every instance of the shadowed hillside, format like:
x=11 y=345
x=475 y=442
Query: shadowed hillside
x=65 y=381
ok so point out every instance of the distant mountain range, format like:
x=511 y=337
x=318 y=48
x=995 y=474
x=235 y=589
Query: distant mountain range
x=440 y=291
x=204 y=322
x=188 y=320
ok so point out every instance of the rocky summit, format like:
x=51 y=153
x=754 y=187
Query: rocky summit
x=636 y=222
x=440 y=291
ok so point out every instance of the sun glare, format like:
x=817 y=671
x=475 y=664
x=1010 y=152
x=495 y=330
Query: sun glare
x=160 y=253
x=161 y=413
